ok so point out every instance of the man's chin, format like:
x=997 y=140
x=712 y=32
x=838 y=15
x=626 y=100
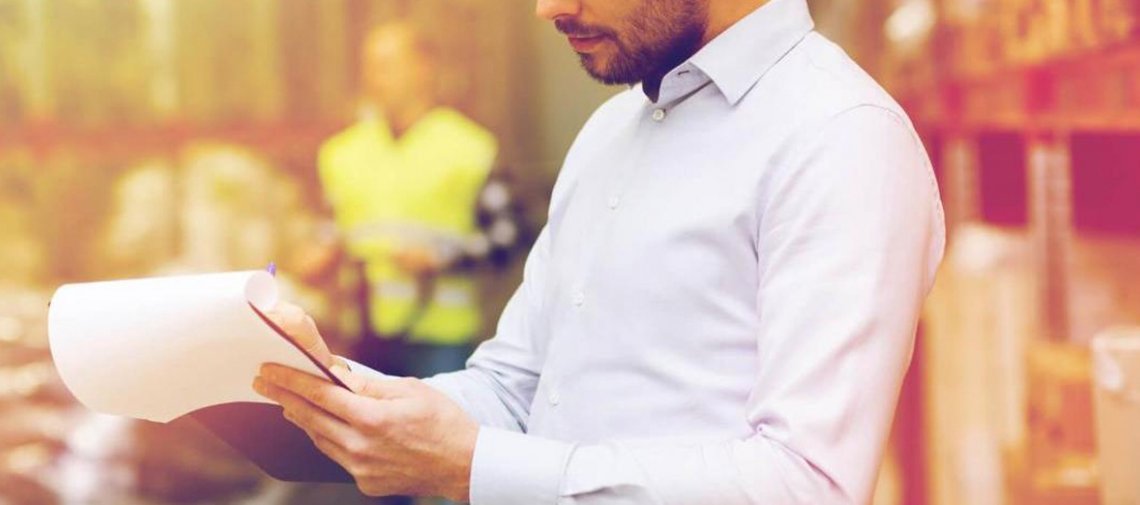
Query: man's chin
x=599 y=69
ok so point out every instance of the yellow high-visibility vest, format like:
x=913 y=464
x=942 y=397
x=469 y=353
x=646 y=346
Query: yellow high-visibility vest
x=418 y=190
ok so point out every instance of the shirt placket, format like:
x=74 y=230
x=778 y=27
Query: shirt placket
x=605 y=214
x=616 y=196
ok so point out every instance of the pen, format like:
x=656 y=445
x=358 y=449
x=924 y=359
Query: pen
x=272 y=269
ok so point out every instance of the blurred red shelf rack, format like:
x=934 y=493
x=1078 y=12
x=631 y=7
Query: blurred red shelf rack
x=1093 y=90
x=133 y=140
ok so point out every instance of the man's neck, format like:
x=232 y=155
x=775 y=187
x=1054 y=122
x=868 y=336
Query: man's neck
x=403 y=116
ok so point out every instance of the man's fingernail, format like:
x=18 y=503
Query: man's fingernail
x=259 y=386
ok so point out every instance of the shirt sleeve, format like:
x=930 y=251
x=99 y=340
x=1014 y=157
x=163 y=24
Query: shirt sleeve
x=850 y=234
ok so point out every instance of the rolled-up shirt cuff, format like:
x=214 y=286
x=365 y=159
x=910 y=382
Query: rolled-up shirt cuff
x=515 y=469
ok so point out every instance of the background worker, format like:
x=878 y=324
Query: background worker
x=403 y=184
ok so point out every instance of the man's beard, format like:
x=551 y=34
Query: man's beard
x=660 y=35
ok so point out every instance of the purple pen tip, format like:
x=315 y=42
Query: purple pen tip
x=272 y=268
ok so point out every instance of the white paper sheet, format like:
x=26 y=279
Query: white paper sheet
x=157 y=349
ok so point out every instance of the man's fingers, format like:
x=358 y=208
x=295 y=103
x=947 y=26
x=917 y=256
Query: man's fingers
x=394 y=388
x=389 y=388
x=304 y=414
x=300 y=327
x=291 y=319
x=333 y=450
x=333 y=446
x=356 y=382
x=320 y=392
x=285 y=314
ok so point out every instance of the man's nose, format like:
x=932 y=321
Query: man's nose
x=554 y=9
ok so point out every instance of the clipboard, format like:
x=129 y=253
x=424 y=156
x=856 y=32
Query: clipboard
x=261 y=433
x=121 y=348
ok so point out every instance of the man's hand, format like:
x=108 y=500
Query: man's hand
x=301 y=328
x=396 y=436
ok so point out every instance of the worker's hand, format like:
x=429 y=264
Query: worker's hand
x=395 y=436
x=418 y=261
x=301 y=328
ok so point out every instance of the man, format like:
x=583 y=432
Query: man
x=721 y=308
x=403 y=185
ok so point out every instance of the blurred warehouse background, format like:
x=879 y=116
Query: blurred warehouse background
x=146 y=137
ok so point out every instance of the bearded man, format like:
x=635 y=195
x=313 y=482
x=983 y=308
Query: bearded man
x=721 y=308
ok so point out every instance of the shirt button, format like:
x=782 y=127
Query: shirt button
x=554 y=397
x=614 y=202
x=579 y=298
x=659 y=115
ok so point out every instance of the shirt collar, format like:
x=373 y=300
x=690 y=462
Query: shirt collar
x=737 y=59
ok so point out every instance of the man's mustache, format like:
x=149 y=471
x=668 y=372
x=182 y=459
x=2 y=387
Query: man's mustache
x=574 y=28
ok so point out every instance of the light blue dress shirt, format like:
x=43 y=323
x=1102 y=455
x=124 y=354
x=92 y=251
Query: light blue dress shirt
x=723 y=304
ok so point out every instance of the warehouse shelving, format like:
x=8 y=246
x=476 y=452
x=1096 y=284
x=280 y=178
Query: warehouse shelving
x=119 y=141
x=1049 y=148
x=1092 y=90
